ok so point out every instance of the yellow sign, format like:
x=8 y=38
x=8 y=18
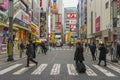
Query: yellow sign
x=53 y=37
x=10 y=48
x=68 y=37
x=54 y=5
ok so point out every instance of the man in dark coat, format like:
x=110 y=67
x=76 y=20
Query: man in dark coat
x=102 y=55
x=93 y=50
x=78 y=57
x=30 y=53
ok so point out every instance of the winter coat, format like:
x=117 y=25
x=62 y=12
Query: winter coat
x=92 y=48
x=103 y=53
x=30 y=50
x=79 y=54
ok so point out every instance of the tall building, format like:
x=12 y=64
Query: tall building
x=70 y=17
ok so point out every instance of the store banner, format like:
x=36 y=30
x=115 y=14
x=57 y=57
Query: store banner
x=97 y=24
x=40 y=3
x=34 y=29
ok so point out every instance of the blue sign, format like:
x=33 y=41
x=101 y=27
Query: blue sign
x=5 y=35
x=54 y=0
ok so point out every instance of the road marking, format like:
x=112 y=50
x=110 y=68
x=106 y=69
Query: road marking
x=9 y=68
x=55 y=70
x=71 y=69
x=89 y=71
x=21 y=71
x=106 y=72
x=40 y=69
x=113 y=68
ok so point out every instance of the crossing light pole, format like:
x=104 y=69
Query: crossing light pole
x=10 y=41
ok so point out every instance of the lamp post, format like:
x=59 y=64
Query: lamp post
x=10 y=41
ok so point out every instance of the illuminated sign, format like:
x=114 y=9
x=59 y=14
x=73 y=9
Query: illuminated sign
x=71 y=15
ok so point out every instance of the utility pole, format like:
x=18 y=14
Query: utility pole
x=10 y=41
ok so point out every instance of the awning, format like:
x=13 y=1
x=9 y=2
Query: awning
x=17 y=25
x=6 y=25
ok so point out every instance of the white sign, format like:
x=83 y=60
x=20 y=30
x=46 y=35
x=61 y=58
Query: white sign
x=1 y=1
x=73 y=21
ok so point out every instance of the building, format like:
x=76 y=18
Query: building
x=70 y=17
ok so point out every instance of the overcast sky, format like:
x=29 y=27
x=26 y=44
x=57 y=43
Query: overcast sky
x=70 y=3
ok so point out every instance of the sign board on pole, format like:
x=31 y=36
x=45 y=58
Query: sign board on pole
x=1 y=1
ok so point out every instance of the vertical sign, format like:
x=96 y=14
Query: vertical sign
x=97 y=24
x=40 y=3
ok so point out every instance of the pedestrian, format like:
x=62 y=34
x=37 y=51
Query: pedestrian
x=21 y=49
x=93 y=50
x=30 y=53
x=118 y=50
x=78 y=57
x=102 y=55
x=86 y=45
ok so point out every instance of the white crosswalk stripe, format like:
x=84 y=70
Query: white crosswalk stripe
x=23 y=70
x=114 y=68
x=89 y=71
x=62 y=49
x=40 y=69
x=106 y=72
x=9 y=69
x=55 y=70
x=71 y=69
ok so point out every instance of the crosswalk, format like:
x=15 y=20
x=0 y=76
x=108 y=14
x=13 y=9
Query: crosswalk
x=62 y=49
x=57 y=68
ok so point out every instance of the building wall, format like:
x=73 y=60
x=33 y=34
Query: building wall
x=98 y=7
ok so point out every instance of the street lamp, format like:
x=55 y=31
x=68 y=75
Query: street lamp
x=10 y=41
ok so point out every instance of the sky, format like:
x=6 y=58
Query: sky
x=70 y=3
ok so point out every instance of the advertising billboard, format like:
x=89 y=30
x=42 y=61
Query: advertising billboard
x=97 y=24
x=36 y=13
x=5 y=5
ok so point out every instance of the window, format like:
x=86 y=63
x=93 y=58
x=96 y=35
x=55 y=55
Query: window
x=106 y=5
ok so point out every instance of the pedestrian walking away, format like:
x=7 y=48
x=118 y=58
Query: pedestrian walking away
x=93 y=50
x=30 y=53
x=21 y=49
x=102 y=55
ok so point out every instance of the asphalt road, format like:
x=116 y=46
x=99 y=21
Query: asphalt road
x=58 y=64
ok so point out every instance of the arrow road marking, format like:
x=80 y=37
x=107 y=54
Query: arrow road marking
x=71 y=69
x=40 y=69
x=55 y=70
x=90 y=72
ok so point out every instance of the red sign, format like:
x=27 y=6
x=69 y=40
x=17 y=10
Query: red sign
x=97 y=24
x=73 y=27
x=40 y=3
x=71 y=15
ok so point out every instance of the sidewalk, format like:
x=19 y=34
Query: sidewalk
x=16 y=56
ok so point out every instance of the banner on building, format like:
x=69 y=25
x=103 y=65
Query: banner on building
x=40 y=3
x=97 y=24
